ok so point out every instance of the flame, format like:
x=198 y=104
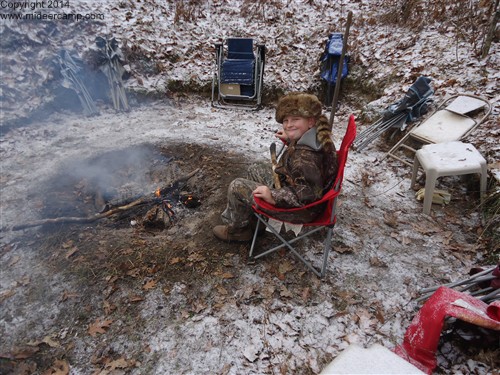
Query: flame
x=158 y=192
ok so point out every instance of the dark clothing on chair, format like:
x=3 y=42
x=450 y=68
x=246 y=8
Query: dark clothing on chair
x=306 y=171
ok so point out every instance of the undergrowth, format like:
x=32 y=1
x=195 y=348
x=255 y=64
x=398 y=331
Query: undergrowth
x=469 y=21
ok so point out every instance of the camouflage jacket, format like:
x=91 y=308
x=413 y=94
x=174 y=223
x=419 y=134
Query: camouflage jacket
x=306 y=171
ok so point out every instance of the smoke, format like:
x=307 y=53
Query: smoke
x=38 y=78
x=118 y=177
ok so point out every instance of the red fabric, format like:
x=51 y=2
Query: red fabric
x=422 y=336
x=495 y=283
x=330 y=196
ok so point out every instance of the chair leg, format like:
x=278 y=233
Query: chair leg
x=288 y=245
x=483 y=179
x=255 y=234
x=430 y=184
x=416 y=166
x=214 y=78
x=326 y=251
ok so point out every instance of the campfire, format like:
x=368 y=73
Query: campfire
x=163 y=214
x=119 y=194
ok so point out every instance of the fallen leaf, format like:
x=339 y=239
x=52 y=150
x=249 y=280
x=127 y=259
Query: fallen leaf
x=71 y=252
x=285 y=267
x=4 y=294
x=119 y=363
x=198 y=307
x=60 y=367
x=14 y=260
x=24 y=281
x=21 y=352
x=149 y=285
x=195 y=257
x=67 y=244
x=51 y=342
x=175 y=260
x=284 y=292
x=135 y=298
x=306 y=293
x=343 y=249
x=379 y=315
x=111 y=279
x=99 y=326
x=377 y=262
x=224 y=275
x=135 y=272
x=391 y=219
x=66 y=295
x=268 y=291
x=108 y=307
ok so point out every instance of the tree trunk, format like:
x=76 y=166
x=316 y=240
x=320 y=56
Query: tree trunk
x=489 y=37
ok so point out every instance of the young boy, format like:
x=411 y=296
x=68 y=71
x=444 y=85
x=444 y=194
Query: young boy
x=306 y=170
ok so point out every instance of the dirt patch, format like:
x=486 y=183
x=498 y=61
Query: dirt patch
x=105 y=268
x=110 y=296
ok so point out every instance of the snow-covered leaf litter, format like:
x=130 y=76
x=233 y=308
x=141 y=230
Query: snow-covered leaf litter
x=383 y=266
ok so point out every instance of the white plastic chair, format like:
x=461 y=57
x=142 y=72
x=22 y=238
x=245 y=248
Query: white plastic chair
x=447 y=159
x=453 y=120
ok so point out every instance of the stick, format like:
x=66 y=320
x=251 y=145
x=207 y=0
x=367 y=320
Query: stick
x=274 y=160
x=339 y=71
x=89 y=219
x=82 y=220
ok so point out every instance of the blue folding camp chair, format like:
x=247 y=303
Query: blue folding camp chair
x=239 y=74
x=330 y=63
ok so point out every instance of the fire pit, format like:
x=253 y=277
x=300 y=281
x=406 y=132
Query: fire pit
x=143 y=185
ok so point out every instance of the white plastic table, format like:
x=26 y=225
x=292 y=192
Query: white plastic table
x=447 y=159
x=373 y=360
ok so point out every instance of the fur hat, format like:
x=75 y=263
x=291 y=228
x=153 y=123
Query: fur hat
x=298 y=104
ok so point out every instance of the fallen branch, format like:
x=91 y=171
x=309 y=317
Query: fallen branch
x=112 y=211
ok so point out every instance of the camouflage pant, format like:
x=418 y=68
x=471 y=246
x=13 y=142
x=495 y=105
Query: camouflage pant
x=238 y=211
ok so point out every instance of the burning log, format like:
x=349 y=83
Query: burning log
x=119 y=209
x=160 y=216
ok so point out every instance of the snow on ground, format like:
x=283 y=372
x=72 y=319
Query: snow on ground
x=375 y=271
x=385 y=249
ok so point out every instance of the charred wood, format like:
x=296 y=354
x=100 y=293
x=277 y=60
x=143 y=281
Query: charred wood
x=148 y=199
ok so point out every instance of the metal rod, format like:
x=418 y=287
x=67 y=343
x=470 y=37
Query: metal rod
x=459 y=282
x=340 y=68
x=376 y=129
x=493 y=294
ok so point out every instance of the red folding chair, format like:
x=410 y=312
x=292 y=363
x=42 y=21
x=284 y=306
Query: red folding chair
x=326 y=220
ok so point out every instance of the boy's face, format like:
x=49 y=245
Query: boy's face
x=295 y=126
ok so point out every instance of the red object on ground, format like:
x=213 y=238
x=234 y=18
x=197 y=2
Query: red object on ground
x=422 y=336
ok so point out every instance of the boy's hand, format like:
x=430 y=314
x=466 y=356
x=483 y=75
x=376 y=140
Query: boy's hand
x=281 y=135
x=264 y=193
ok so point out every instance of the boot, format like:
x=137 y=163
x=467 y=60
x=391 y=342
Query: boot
x=229 y=233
